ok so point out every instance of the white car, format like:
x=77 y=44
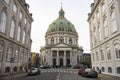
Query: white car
x=34 y=71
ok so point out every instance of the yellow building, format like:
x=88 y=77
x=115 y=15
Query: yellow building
x=33 y=58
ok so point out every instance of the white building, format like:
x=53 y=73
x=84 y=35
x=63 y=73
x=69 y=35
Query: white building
x=104 y=24
x=61 y=48
x=15 y=39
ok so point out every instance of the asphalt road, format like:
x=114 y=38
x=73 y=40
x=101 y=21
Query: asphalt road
x=56 y=74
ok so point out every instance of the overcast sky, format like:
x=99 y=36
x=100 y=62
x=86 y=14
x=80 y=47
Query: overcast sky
x=46 y=11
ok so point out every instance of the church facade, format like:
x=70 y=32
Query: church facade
x=61 y=48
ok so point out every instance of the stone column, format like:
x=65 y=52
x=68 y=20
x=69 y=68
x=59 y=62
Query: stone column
x=64 y=63
x=57 y=58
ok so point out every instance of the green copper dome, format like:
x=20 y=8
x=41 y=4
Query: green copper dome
x=61 y=24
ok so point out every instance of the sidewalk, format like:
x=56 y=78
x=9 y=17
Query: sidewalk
x=11 y=77
x=107 y=77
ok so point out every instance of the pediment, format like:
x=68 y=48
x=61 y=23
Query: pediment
x=62 y=45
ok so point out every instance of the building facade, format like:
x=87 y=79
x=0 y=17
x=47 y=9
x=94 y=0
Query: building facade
x=15 y=39
x=104 y=24
x=61 y=48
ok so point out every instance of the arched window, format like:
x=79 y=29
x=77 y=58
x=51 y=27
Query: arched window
x=15 y=69
x=100 y=32
x=118 y=70
x=1 y=51
x=18 y=33
x=3 y=20
x=109 y=69
x=105 y=25
x=117 y=51
x=97 y=56
x=97 y=68
x=103 y=69
x=28 y=38
x=9 y=53
x=95 y=35
x=14 y=8
x=7 y=1
x=16 y=55
x=70 y=41
x=108 y=54
x=103 y=6
x=102 y=55
x=23 y=39
x=52 y=40
x=113 y=19
x=61 y=39
x=12 y=28
x=21 y=56
x=7 y=69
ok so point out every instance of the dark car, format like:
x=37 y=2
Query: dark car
x=34 y=71
x=89 y=72
x=45 y=66
x=80 y=71
x=75 y=67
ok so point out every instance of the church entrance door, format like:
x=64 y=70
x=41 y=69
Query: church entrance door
x=54 y=62
x=61 y=62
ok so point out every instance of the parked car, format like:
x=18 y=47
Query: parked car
x=80 y=71
x=89 y=72
x=75 y=67
x=45 y=66
x=34 y=71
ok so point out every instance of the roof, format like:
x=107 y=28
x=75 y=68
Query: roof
x=61 y=24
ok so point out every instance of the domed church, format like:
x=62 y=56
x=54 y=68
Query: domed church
x=61 y=48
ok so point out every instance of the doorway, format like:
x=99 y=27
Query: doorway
x=61 y=62
x=54 y=62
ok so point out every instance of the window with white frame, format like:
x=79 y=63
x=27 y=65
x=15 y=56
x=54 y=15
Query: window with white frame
x=103 y=69
x=12 y=28
x=25 y=20
x=108 y=54
x=113 y=20
x=27 y=39
x=98 y=14
x=7 y=1
x=21 y=14
x=102 y=55
x=1 y=51
x=95 y=36
x=3 y=21
x=110 y=69
x=26 y=57
x=97 y=58
x=99 y=32
x=16 y=55
x=28 y=24
x=118 y=70
x=117 y=51
x=15 y=8
x=23 y=38
x=103 y=6
x=18 y=33
x=21 y=56
x=105 y=25
x=9 y=53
